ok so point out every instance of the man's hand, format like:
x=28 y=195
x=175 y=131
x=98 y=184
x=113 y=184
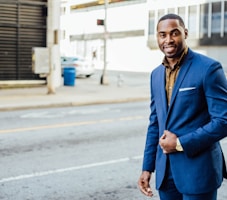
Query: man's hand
x=168 y=142
x=144 y=185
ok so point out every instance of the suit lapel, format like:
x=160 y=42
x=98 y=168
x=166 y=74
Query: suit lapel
x=163 y=91
x=183 y=71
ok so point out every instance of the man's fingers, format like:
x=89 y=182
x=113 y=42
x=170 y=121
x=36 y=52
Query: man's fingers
x=165 y=152
x=149 y=192
x=144 y=185
x=145 y=189
x=163 y=136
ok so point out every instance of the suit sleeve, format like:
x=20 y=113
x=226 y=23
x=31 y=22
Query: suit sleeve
x=152 y=138
x=215 y=91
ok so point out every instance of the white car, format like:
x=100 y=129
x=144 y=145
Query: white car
x=82 y=66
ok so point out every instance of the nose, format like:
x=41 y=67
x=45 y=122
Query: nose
x=169 y=38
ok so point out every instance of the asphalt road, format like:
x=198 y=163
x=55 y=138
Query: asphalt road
x=75 y=153
x=92 y=152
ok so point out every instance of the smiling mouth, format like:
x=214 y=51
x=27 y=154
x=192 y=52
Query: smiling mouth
x=169 y=48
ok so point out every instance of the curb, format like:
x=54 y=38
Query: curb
x=71 y=104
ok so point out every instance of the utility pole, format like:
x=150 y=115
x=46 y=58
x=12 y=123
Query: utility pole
x=104 y=80
x=53 y=43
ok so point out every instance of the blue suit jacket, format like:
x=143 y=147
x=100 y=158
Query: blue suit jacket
x=198 y=116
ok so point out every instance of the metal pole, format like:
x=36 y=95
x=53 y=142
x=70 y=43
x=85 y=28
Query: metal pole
x=53 y=18
x=104 y=80
x=50 y=35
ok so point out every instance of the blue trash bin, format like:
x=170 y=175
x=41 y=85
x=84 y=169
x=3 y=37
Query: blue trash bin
x=69 y=76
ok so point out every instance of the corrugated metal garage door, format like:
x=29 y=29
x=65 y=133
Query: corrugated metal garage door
x=22 y=26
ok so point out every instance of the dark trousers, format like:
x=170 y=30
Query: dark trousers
x=168 y=190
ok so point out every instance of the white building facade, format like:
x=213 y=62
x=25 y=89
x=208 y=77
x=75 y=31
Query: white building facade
x=131 y=26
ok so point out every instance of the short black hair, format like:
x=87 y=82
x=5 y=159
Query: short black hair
x=172 y=16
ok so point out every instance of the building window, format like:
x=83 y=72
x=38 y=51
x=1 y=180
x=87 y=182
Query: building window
x=213 y=24
x=151 y=30
x=161 y=13
x=216 y=18
x=225 y=16
x=207 y=22
x=171 y=10
x=181 y=12
x=203 y=20
x=192 y=21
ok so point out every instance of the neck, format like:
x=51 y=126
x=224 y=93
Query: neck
x=172 y=62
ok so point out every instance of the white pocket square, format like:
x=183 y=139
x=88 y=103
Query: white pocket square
x=186 y=89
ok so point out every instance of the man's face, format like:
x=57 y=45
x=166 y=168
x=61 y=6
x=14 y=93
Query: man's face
x=171 y=37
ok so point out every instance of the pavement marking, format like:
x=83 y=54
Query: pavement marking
x=47 y=127
x=69 y=124
x=131 y=118
x=61 y=114
x=62 y=170
x=106 y=120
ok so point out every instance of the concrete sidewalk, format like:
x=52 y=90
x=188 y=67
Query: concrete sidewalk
x=122 y=87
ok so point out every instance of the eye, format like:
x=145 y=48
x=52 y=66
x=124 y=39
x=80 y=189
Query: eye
x=175 y=33
x=162 y=35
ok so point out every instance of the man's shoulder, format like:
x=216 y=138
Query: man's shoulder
x=201 y=63
x=158 y=69
x=202 y=57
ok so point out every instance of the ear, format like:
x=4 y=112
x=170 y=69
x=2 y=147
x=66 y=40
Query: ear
x=186 y=33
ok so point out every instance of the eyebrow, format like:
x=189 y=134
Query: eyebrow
x=175 y=29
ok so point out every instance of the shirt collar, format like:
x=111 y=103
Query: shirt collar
x=166 y=63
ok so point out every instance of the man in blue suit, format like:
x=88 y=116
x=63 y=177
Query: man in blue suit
x=188 y=119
